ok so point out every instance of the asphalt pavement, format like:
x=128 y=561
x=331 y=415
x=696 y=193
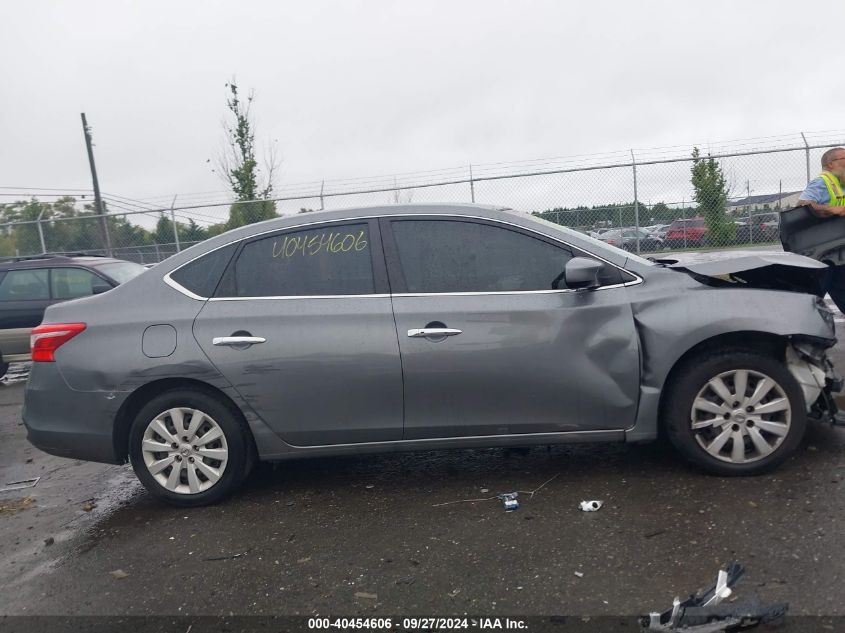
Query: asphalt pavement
x=421 y=533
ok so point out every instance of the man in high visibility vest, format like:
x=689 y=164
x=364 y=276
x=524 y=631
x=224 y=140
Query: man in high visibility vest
x=825 y=193
x=826 y=196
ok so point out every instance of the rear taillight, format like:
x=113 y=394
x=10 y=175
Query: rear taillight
x=46 y=339
x=611 y=242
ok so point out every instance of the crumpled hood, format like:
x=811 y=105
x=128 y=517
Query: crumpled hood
x=772 y=270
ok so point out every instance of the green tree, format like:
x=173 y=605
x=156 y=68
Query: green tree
x=239 y=167
x=711 y=194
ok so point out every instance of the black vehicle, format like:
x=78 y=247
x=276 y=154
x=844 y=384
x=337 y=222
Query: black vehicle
x=29 y=284
x=627 y=239
x=764 y=227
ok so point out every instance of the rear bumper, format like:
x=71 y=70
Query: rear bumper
x=68 y=423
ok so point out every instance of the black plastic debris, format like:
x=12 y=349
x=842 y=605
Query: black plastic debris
x=705 y=613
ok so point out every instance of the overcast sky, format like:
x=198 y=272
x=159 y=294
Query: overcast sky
x=360 y=88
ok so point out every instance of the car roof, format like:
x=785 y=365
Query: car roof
x=42 y=261
x=488 y=212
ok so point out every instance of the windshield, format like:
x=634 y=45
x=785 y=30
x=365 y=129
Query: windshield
x=600 y=246
x=122 y=272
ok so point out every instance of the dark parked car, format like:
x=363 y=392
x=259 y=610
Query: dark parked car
x=762 y=228
x=684 y=233
x=28 y=285
x=627 y=240
x=427 y=327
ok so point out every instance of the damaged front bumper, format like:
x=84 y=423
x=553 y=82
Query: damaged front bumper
x=806 y=358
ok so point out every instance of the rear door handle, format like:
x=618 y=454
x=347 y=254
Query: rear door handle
x=433 y=332
x=237 y=341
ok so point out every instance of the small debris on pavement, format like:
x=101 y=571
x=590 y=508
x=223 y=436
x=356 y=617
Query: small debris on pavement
x=213 y=558
x=28 y=460
x=485 y=490
x=454 y=593
x=591 y=506
x=580 y=574
x=304 y=560
x=119 y=573
x=653 y=533
x=20 y=485
x=509 y=501
x=405 y=580
x=705 y=613
x=12 y=506
x=366 y=596
x=530 y=494
x=369 y=486
x=49 y=541
x=88 y=506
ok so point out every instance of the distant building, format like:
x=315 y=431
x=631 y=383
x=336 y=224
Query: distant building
x=763 y=203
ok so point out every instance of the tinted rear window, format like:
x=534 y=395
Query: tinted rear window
x=201 y=275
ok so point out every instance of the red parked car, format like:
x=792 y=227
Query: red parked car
x=681 y=233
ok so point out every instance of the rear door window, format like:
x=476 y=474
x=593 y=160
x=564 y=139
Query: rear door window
x=25 y=285
x=70 y=283
x=335 y=260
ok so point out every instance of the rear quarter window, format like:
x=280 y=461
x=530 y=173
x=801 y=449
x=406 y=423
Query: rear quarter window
x=202 y=275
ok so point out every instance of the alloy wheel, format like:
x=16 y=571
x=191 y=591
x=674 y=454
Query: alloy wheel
x=740 y=416
x=185 y=450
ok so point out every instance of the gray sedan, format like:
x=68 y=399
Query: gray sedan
x=427 y=327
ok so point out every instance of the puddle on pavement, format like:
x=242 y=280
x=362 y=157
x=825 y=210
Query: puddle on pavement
x=17 y=372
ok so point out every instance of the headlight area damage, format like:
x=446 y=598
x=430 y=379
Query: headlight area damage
x=805 y=356
x=807 y=360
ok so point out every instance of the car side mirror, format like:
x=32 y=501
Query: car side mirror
x=582 y=273
x=100 y=288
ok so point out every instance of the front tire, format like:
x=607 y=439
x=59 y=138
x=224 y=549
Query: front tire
x=735 y=412
x=189 y=449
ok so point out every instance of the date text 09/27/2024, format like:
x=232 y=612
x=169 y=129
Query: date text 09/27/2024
x=411 y=624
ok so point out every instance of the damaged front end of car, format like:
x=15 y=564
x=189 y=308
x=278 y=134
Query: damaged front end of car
x=805 y=356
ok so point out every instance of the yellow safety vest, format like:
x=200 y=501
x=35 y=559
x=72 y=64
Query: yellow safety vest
x=834 y=188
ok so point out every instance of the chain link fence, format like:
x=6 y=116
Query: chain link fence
x=643 y=201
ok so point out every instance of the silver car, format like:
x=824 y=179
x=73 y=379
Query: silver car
x=427 y=327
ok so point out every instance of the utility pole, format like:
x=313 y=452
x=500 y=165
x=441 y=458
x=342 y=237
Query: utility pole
x=98 y=201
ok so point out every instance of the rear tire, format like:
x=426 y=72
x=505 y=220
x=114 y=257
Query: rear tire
x=734 y=412
x=189 y=448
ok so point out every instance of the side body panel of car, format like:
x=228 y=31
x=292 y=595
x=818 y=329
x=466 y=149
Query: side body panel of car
x=694 y=316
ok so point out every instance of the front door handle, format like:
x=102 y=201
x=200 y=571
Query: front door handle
x=237 y=341
x=433 y=332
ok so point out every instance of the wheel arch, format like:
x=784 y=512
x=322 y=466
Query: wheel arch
x=766 y=343
x=133 y=404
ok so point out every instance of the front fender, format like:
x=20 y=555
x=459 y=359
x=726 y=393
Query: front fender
x=670 y=323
